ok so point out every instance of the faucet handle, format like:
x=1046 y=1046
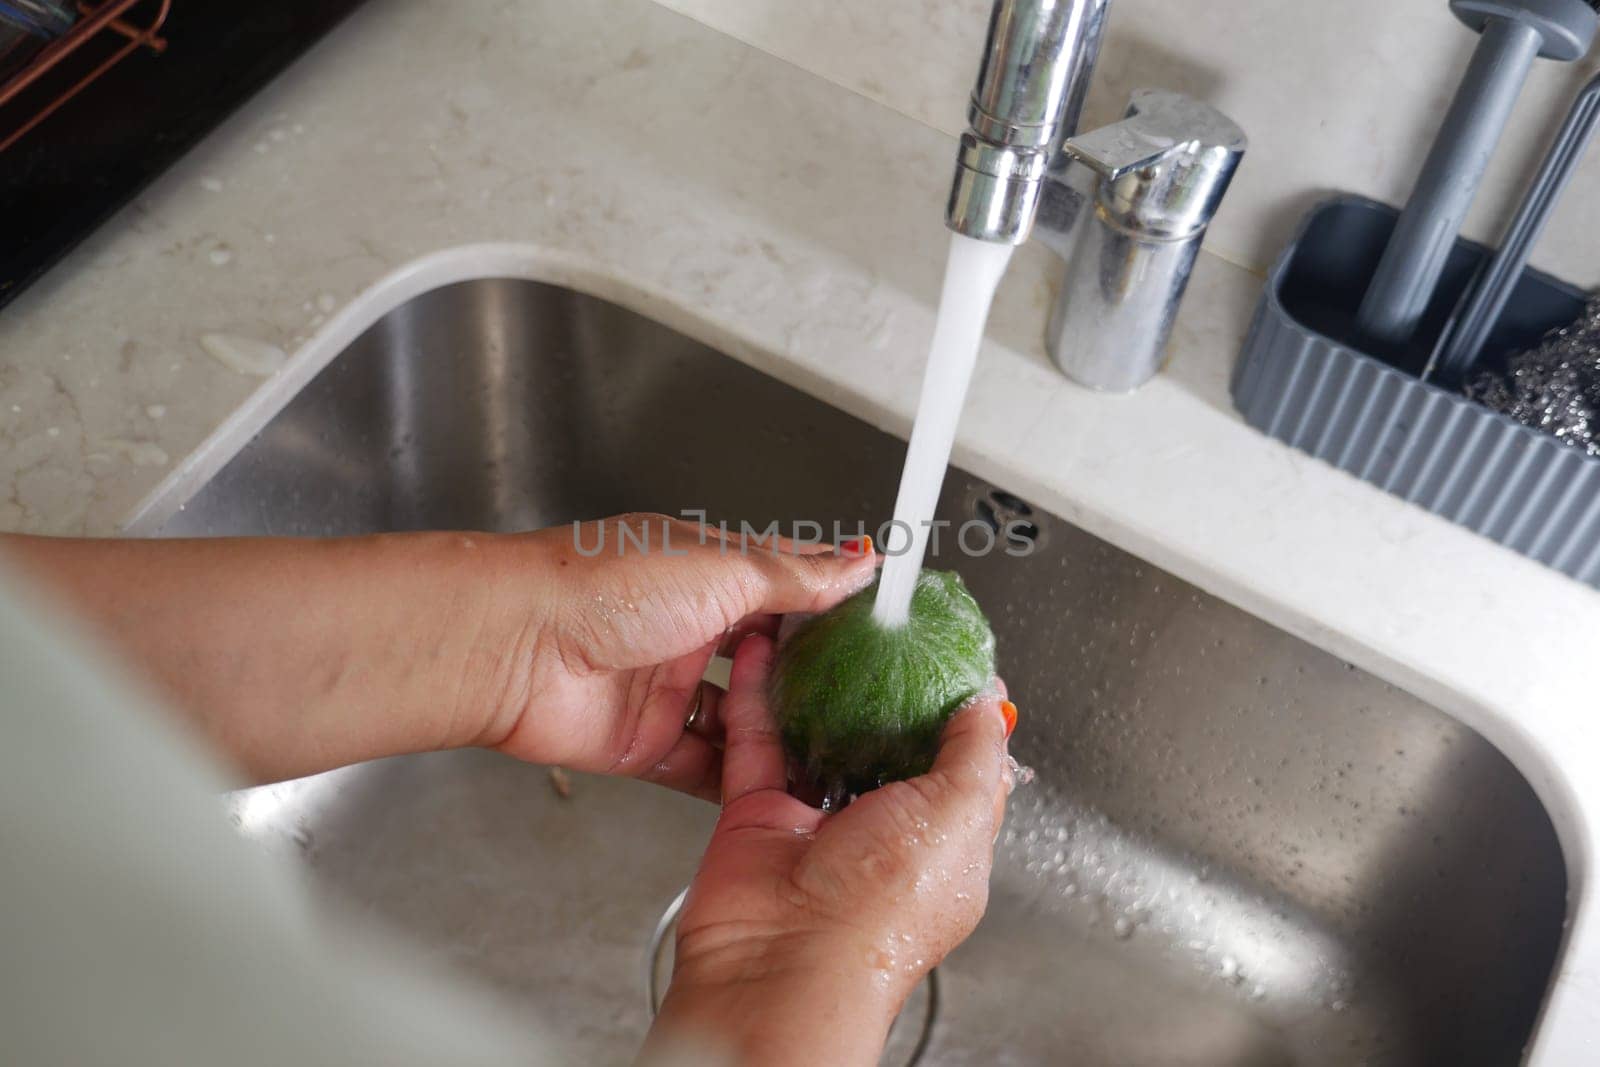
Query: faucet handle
x=1123 y=147
x=1165 y=166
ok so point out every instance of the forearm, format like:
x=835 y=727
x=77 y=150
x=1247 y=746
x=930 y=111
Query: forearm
x=836 y=1012
x=294 y=656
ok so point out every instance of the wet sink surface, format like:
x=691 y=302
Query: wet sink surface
x=1238 y=851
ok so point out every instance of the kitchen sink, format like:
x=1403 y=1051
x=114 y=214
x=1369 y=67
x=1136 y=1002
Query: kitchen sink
x=1238 y=850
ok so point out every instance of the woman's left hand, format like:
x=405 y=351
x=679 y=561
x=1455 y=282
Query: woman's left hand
x=804 y=932
x=630 y=612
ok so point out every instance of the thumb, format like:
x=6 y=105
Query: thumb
x=971 y=764
x=782 y=578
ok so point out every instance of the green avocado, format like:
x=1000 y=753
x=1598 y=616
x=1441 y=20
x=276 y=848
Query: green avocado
x=860 y=704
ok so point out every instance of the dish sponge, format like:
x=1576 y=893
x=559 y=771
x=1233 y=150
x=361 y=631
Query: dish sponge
x=860 y=705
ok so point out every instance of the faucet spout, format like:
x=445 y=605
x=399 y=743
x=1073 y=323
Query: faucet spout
x=1037 y=62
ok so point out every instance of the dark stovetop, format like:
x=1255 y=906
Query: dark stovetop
x=81 y=164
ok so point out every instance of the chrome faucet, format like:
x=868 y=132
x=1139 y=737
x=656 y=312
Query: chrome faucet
x=1035 y=74
x=1126 y=206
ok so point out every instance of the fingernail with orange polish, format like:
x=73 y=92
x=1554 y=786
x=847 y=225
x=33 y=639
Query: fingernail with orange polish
x=857 y=546
x=1009 y=710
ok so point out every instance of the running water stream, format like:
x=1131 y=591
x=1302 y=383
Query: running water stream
x=971 y=276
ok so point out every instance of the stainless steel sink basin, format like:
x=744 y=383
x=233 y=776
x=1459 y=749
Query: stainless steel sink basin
x=1239 y=850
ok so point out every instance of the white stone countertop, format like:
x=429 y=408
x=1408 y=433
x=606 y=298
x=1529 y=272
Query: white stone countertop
x=629 y=152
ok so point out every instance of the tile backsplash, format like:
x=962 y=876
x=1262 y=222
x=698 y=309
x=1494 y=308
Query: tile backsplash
x=1343 y=94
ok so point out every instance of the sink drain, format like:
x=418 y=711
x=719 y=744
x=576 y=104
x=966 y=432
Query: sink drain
x=909 y=1036
x=1010 y=517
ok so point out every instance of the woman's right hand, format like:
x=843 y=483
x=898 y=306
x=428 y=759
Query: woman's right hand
x=804 y=932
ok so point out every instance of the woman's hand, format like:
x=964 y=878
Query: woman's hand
x=623 y=634
x=299 y=655
x=803 y=933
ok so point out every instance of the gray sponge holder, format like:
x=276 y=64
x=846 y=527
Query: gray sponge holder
x=1301 y=380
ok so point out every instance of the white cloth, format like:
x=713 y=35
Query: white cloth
x=136 y=928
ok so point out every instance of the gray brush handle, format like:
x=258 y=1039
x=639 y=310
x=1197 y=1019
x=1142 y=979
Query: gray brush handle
x=1481 y=307
x=1411 y=265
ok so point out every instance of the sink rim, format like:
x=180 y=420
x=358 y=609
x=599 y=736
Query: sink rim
x=1578 y=957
